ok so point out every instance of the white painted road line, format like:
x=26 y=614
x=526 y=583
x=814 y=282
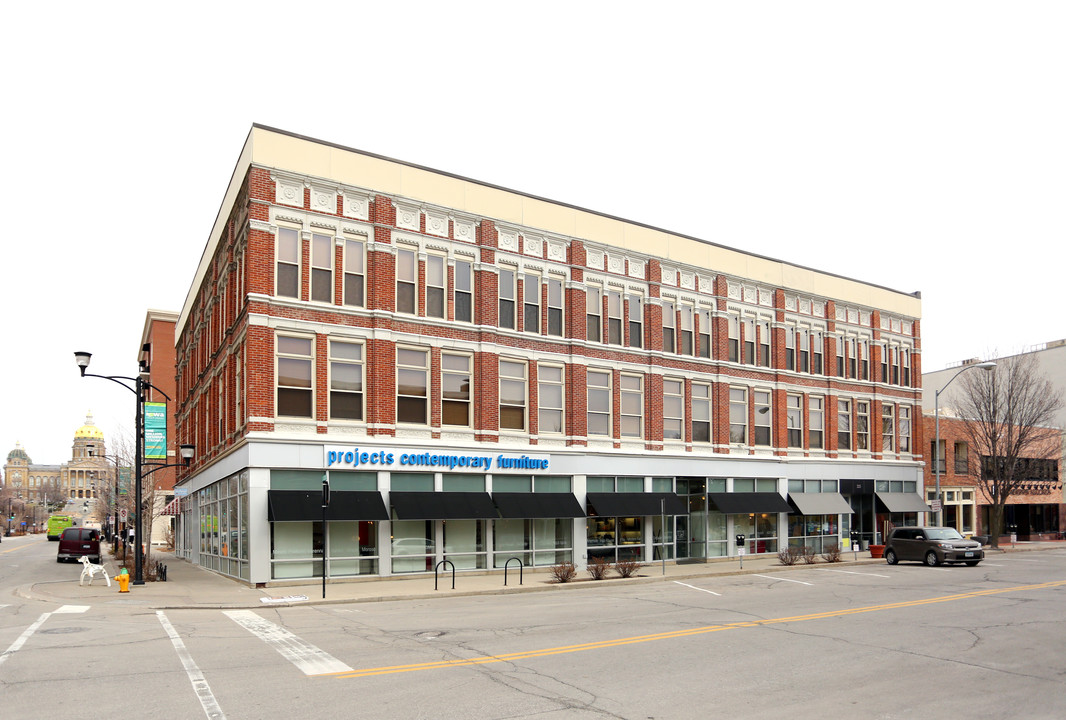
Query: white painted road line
x=852 y=572
x=784 y=579
x=712 y=592
x=1024 y=560
x=21 y=640
x=72 y=609
x=308 y=658
x=199 y=682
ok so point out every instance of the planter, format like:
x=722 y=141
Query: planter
x=877 y=551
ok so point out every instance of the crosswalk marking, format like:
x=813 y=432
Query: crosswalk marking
x=308 y=658
x=199 y=683
x=21 y=639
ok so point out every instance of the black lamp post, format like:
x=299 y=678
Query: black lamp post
x=138 y=388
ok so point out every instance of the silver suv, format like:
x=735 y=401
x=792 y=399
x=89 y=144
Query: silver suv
x=932 y=545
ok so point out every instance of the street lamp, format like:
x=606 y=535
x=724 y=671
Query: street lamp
x=138 y=388
x=987 y=365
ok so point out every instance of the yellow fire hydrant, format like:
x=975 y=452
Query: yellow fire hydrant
x=123 y=580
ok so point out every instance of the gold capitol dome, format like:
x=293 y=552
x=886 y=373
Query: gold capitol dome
x=89 y=430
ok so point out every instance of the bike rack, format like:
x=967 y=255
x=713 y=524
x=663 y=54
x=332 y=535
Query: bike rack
x=443 y=562
x=520 y=566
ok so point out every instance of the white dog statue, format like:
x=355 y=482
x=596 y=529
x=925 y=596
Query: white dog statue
x=92 y=570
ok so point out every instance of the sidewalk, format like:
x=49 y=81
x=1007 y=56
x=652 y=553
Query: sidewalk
x=190 y=587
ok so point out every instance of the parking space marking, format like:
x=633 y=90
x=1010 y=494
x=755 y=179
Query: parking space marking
x=768 y=577
x=852 y=572
x=199 y=683
x=1026 y=560
x=308 y=658
x=712 y=592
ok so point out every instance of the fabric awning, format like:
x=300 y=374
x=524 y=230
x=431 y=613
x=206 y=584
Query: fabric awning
x=902 y=502
x=172 y=508
x=538 y=505
x=634 y=504
x=749 y=502
x=442 y=505
x=829 y=503
x=306 y=505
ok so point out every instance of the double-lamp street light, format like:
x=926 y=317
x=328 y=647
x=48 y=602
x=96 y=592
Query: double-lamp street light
x=937 y=455
x=138 y=387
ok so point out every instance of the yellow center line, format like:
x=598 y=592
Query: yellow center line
x=675 y=634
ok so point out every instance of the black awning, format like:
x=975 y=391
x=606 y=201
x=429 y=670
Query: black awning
x=306 y=505
x=634 y=504
x=749 y=502
x=538 y=505
x=902 y=502
x=828 y=503
x=442 y=505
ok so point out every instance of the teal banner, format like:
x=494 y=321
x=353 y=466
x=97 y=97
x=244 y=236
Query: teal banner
x=155 y=431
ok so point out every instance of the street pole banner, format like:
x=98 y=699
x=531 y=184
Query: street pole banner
x=155 y=431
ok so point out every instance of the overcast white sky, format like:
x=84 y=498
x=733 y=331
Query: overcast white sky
x=914 y=145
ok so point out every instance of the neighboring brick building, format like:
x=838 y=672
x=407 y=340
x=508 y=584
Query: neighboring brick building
x=156 y=358
x=484 y=374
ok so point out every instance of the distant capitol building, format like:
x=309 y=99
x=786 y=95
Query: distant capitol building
x=75 y=479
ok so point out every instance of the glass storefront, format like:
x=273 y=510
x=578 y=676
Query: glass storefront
x=541 y=542
x=816 y=532
x=221 y=514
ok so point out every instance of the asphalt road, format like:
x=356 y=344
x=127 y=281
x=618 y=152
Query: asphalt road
x=867 y=642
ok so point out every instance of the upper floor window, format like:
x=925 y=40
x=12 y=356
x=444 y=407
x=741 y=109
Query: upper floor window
x=840 y=355
x=464 y=291
x=555 y=307
x=614 y=317
x=906 y=368
x=636 y=320
x=599 y=402
x=853 y=358
x=904 y=429
x=738 y=415
x=794 y=417
x=295 y=358
x=354 y=272
x=550 y=398
x=764 y=344
x=864 y=360
x=687 y=330
x=631 y=388
x=862 y=425
x=531 y=303
x=287 y=277
x=790 y=348
x=763 y=412
x=703 y=317
x=455 y=386
x=412 y=385
x=593 y=314
x=321 y=268
x=701 y=412
x=507 y=299
x=888 y=428
x=669 y=327
x=844 y=424
x=815 y=421
x=436 y=282
x=673 y=409
x=512 y=395
x=749 y=342
x=962 y=458
x=817 y=351
x=345 y=380
x=406 y=282
x=734 y=339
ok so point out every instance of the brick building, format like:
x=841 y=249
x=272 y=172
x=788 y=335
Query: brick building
x=482 y=374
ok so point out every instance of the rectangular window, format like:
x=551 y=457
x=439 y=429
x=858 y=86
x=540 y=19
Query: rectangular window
x=412 y=384
x=599 y=402
x=406 y=282
x=940 y=461
x=354 y=272
x=888 y=428
x=507 y=299
x=512 y=395
x=295 y=362
x=531 y=303
x=895 y=365
x=844 y=424
x=632 y=401
x=815 y=421
x=345 y=380
x=738 y=415
x=687 y=329
x=669 y=327
x=761 y=400
x=321 y=268
x=862 y=425
x=794 y=404
x=593 y=314
x=840 y=356
x=764 y=344
x=636 y=320
x=790 y=348
x=904 y=429
x=436 y=281
x=906 y=368
x=962 y=458
x=614 y=317
x=884 y=363
x=673 y=409
x=803 y=339
x=550 y=399
x=703 y=318
x=817 y=351
x=864 y=360
x=853 y=357
x=734 y=339
x=287 y=278
x=749 y=342
x=464 y=291
x=701 y=413
x=555 y=307
x=455 y=387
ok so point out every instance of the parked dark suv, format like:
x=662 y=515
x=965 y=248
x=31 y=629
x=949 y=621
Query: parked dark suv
x=78 y=541
x=932 y=545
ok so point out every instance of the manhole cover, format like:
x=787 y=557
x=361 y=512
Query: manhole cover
x=63 y=631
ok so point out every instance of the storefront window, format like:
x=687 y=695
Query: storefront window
x=817 y=532
x=464 y=543
x=413 y=546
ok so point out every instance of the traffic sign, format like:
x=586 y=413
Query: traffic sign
x=122 y=514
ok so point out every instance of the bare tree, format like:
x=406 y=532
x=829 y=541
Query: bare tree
x=1008 y=414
